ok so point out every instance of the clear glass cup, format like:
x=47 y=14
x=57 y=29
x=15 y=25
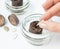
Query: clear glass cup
x=35 y=39
x=17 y=9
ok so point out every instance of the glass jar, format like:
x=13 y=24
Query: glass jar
x=35 y=39
x=17 y=9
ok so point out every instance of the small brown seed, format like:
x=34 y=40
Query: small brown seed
x=6 y=28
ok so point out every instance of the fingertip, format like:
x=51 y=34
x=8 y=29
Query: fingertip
x=48 y=4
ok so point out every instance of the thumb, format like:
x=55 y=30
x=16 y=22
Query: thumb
x=50 y=25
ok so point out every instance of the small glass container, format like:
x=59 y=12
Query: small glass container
x=17 y=9
x=35 y=39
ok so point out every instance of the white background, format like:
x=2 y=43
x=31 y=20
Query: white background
x=7 y=39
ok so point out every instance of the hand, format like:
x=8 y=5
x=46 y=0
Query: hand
x=52 y=8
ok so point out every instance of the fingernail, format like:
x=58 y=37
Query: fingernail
x=42 y=25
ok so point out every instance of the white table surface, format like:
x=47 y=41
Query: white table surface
x=8 y=40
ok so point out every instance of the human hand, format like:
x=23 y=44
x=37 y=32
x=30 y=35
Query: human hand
x=52 y=8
